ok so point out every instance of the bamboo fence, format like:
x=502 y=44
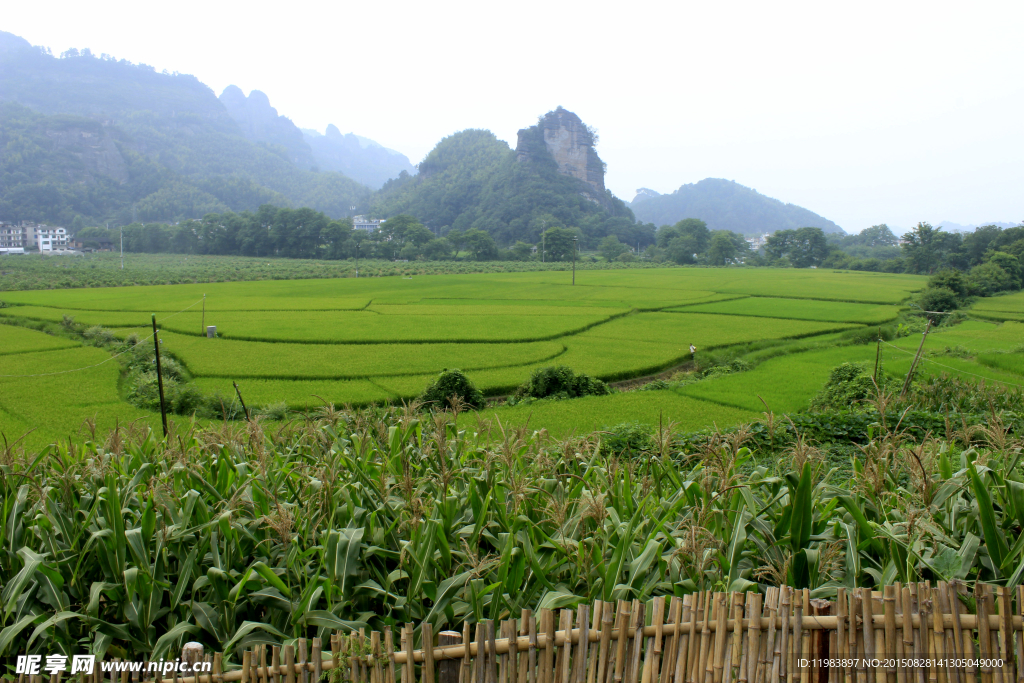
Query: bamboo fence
x=916 y=633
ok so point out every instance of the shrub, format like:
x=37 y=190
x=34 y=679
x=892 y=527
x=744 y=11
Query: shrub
x=561 y=382
x=732 y=366
x=628 y=439
x=939 y=299
x=950 y=279
x=448 y=385
x=848 y=384
x=988 y=278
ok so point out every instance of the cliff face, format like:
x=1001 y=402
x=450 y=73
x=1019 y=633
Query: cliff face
x=568 y=141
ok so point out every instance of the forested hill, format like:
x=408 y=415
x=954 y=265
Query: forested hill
x=473 y=180
x=365 y=161
x=726 y=205
x=105 y=140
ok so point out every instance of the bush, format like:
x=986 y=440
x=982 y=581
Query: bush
x=847 y=385
x=561 y=382
x=939 y=299
x=449 y=384
x=952 y=280
x=732 y=366
x=988 y=278
x=628 y=439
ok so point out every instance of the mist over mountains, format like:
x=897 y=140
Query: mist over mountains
x=94 y=139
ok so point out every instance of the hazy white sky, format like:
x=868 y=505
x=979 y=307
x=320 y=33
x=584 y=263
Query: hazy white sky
x=865 y=112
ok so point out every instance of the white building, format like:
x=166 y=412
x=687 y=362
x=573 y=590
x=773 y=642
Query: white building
x=27 y=235
x=366 y=224
x=12 y=236
x=49 y=238
x=758 y=241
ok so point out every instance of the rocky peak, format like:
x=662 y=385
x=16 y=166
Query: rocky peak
x=260 y=122
x=570 y=143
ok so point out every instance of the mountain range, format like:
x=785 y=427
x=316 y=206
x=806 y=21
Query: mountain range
x=726 y=205
x=88 y=139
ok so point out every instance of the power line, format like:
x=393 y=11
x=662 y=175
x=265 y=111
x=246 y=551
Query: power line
x=87 y=367
x=957 y=370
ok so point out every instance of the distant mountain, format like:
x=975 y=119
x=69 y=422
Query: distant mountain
x=553 y=178
x=261 y=123
x=360 y=158
x=726 y=205
x=109 y=140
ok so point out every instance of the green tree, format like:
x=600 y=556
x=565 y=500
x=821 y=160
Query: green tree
x=804 y=247
x=439 y=249
x=611 y=248
x=925 y=249
x=558 y=244
x=480 y=244
x=1011 y=264
x=722 y=249
x=521 y=251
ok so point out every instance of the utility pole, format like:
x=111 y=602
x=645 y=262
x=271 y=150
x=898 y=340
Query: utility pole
x=122 y=247
x=357 y=260
x=543 y=241
x=575 y=242
x=159 y=375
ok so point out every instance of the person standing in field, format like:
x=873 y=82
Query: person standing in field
x=693 y=353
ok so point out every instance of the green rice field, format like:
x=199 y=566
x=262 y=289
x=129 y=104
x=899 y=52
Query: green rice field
x=355 y=342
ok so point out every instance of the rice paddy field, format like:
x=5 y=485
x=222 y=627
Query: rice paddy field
x=348 y=341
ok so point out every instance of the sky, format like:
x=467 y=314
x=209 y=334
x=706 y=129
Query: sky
x=866 y=113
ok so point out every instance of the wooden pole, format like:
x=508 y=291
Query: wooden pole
x=878 y=354
x=448 y=671
x=917 y=358
x=159 y=376
x=203 y=330
x=239 y=393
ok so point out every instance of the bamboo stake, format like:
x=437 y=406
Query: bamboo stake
x=427 y=640
x=389 y=652
x=801 y=639
x=579 y=669
x=653 y=647
x=547 y=625
x=275 y=663
x=606 y=640
x=773 y=655
x=721 y=617
x=623 y=620
x=966 y=674
x=492 y=654
x=784 y=669
x=889 y=608
x=565 y=652
x=638 y=642
x=318 y=664
x=1006 y=634
x=738 y=660
x=985 y=644
x=532 y=648
x=524 y=630
x=940 y=595
x=766 y=644
x=691 y=643
x=903 y=611
x=753 y=636
x=289 y=664
x=669 y=655
x=467 y=663
x=686 y=616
